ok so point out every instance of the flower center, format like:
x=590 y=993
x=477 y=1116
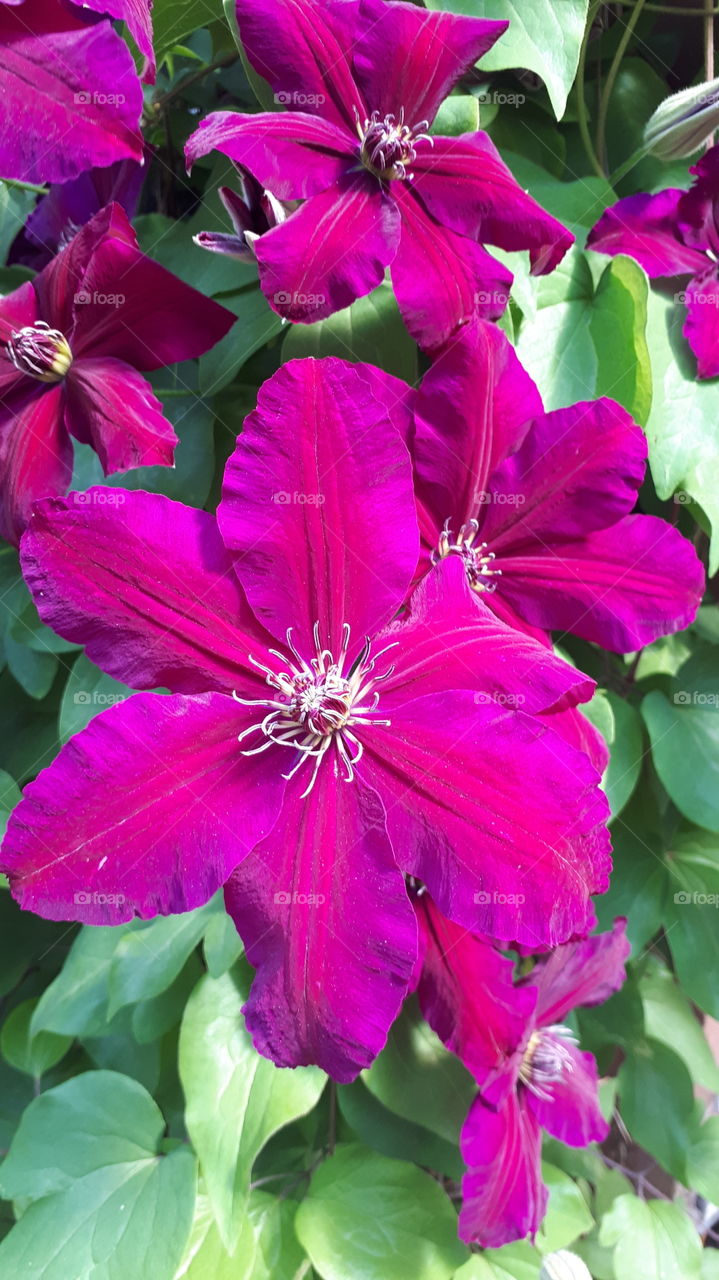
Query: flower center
x=476 y=558
x=317 y=704
x=40 y=351
x=546 y=1059
x=388 y=145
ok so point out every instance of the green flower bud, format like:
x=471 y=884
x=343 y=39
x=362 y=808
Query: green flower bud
x=563 y=1266
x=682 y=123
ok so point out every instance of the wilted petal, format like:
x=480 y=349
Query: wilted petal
x=145 y=812
x=35 y=454
x=112 y=407
x=408 y=58
x=318 y=477
x=504 y=1197
x=580 y=973
x=325 y=917
x=147 y=585
x=646 y=228
x=572 y=1114
x=494 y=812
x=334 y=249
x=466 y=185
x=294 y=154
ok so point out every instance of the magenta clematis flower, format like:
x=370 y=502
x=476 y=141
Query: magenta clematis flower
x=365 y=81
x=253 y=212
x=537 y=506
x=313 y=749
x=84 y=105
x=676 y=233
x=532 y=1076
x=72 y=344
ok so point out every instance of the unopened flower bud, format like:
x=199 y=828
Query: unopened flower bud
x=683 y=122
x=563 y=1266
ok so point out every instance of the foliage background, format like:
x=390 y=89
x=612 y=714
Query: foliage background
x=145 y=1135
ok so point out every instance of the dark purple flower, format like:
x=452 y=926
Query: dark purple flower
x=676 y=233
x=530 y=1071
x=66 y=208
x=537 y=505
x=365 y=81
x=73 y=344
x=313 y=750
x=253 y=212
x=70 y=93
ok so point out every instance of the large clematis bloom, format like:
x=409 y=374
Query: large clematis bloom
x=538 y=506
x=313 y=749
x=71 y=96
x=531 y=1074
x=365 y=82
x=72 y=345
x=676 y=233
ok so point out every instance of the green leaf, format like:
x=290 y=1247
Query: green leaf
x=657 y=1103
x=149 y=958
x=669 y=1017
x=256 y=324
x=376 y=1219
x=267 y=1250
x=620 y=726
x=35 y=671
x=577 y=204
x=371 y=330
x=222 y=944
x=654 y=1240
x=512 y=1262
x=457 y=114
x=16 y=205
x=568 y=1215
x=703 y=1160
x=235 y=1099
x=87 y=692
x=10 y=795
x=32 y=1053
x=172 y=20
x=76 y=1002
x=391 y=1135
x=583 y=341
x=691 y=915
x=544 y=36
x=685 y=750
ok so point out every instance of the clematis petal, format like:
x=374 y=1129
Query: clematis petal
x=442 y=280
x=17 y=309
x=576 y=729
x=473 y=409
x=110 y=406
x=318 y=477
x=35 y=454
x=493 y=811
x=580 y=973
x=69 y=205
x=293 y=154
x=407 y=58
x=504 y=1198
x=577 y=470
x=572 y=1114
x=696 y=216
x=701 y=328
x=85 y=100
x=145 y=812
x=466 y=185
x=451 y=640
x=137 y=14
x=334 y=249
x=303 y=49
x=325 y=917
x=621 y=587
x=61 y=281
x=646 y=228
x=467 y=996
x=146 y=585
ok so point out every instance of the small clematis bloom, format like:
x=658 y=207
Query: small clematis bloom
x=71 y=96
x=313 y=750
x=72 y=344
x=364 y=82
x=66 y=208
x=676 y=233
x=252 y=212
x=538 y=506
x=532 y=1076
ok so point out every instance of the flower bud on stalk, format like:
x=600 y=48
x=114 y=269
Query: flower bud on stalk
x=683 y=122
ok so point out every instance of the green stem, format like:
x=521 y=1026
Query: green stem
x=24 y=186
x=601 y=140
x=626 y=165
x=582 y=119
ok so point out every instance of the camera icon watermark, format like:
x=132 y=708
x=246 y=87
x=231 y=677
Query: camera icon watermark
x=695 y=698
x=499 y=698
x=497 y=98
x=84 y=299
x=494 y=898
x=295 y=98
x=285 y=898
x=298 y=499
x=91 y=897
x=93 y=698
x=298 y=299
x=487 y=497
x=683 y=898
x=92 y=98
x=99 y=498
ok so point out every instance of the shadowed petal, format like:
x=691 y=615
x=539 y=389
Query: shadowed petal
x=701 y=327
x=334 y=249
x=145 y=812
x=35 y=454
x=293 y=154
x=319 y=476
x=503 y=1195
x=110 y=406
x=572 y=1114
x=646 y=229
x=465 y=184
x=146 y=585
x=580 y=973
x=493 y=811
x=408 y=58
x=325 y=917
